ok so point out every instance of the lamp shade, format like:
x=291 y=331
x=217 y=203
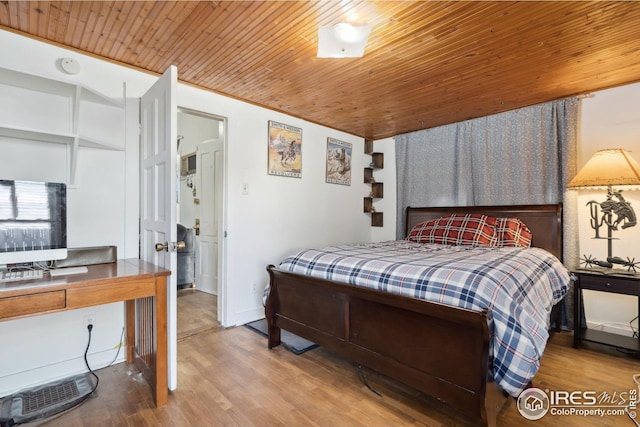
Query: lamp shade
x=607 y=168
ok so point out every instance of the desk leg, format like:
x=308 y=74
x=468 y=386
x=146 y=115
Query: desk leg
x=161 y=374
x=130 y=327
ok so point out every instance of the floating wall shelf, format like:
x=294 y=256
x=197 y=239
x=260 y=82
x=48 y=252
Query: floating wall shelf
x=377 y=188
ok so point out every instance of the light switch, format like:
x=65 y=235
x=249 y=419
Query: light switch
x=245 y=188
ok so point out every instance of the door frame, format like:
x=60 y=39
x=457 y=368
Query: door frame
x=222 y=227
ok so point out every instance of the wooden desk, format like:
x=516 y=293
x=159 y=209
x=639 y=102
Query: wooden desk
x=141 y=285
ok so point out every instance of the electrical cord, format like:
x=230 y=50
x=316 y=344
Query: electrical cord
x=363 y=380
x=119 y=347
x=11 y=422
x=86 y=362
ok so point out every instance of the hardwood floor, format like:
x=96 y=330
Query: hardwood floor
x=228 y=377
x=197 y=312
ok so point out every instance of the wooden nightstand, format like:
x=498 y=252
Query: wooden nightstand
x=603 y=281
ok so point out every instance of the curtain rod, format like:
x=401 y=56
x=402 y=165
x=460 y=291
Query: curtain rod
x=586 y=95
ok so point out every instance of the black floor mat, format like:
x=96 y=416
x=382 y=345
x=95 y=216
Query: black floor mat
x=291 y=342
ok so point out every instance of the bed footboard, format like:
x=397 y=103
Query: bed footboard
x=437 y=349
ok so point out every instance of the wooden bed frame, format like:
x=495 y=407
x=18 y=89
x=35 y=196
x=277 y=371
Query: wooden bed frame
x=437 y=349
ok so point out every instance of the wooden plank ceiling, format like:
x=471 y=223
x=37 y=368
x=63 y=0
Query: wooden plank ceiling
x=426 y=63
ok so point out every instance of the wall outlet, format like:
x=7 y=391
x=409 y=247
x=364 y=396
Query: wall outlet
x=254 y=288
x=89 y=319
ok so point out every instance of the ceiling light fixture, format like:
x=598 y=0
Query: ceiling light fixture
x=343 y=40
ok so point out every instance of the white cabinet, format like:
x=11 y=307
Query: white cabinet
x=35 y=108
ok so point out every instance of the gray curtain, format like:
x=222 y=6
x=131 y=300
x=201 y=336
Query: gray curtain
x=525 y=156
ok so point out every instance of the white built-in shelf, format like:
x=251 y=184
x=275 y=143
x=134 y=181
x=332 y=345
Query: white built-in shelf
x=35 y=135
x=37 y=108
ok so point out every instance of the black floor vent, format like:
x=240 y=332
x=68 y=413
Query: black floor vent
x=33 y=401
x=46 y=400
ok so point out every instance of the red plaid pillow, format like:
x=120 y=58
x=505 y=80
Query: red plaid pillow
x=512 y=232
x=455 y=229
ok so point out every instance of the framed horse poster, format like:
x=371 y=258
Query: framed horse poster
x=285 y=150
x=338 y=162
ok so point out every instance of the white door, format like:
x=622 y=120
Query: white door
x=209 y=161
x=158 y=117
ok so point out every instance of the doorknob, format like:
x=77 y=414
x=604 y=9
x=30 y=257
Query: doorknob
x=174 y=246
x=197 y=227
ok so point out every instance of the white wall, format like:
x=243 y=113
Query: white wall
x=610 y=119
x=278 y=215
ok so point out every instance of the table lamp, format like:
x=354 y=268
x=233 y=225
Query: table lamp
x=606 y=169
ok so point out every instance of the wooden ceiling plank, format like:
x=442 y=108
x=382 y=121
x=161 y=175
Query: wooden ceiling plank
x=15 y=15
x=80 y=24
x=171 y=25
x=59 y=19
x=86 y=39
x=179 y=47
x=108 y=24
x=125 y=46
x=66 y=38
x=141 y=42
x=299 y=39
x=144 y=40
x=218 y=44
x=38 y=12
x=208 y=42
x=116 y=29
x=228 y=54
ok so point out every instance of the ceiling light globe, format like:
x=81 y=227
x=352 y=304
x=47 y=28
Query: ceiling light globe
x=347 y=33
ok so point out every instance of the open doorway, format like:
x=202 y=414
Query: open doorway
x=200 y=146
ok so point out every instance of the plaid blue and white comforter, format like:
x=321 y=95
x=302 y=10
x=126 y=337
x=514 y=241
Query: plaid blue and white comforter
x=518 y=286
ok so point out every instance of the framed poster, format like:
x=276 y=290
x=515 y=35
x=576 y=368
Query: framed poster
x=285 y=150
x=338 y=162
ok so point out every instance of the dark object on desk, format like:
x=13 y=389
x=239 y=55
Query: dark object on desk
x=88 y=256
x=186 y=268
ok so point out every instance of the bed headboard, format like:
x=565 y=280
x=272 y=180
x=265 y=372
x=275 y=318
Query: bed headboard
x=544 y=221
